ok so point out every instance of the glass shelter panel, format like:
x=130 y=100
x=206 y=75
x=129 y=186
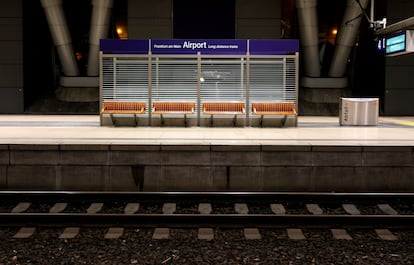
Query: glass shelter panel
x=195 y=71
x=174 y=79
x=291 y=92
x=124 y=79
x=272 y=80
x=223 y=79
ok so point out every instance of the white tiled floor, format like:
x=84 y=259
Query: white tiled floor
x=85 y=129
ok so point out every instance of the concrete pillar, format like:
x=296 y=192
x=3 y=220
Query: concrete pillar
x=308 y=28
x=101 y=14
x=346 y=36
x=61 y=37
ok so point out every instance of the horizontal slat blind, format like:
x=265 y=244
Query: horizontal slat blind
x=273 y=80
x=291 y=80
x=174 y=79
x=125 y=79
x=223 y=80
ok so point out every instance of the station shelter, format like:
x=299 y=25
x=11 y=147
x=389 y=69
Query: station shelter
x=159 y=82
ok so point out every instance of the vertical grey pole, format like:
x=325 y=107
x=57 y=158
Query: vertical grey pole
x=372 y=13
x=157 y=78
x=198 y=88
x=149 y=88
x=297 y=81
x=284 y=78
x=100 y=86
x=248 y=88
x=61 y=37
x=114 y=65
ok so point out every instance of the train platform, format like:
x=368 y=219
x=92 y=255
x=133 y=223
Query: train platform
x=311 y=130
x=75 y=153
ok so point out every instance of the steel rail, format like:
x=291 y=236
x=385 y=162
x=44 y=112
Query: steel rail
x=203 y=196
x=203 y=220
x=206 y=220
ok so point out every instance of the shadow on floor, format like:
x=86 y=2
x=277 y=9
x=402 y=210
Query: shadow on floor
x=51 y=105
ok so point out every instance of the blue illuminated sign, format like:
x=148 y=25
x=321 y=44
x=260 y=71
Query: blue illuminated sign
x=395 y=43
x=194 y=46
x=202 y=46
x=273 y=47
x=118 y=46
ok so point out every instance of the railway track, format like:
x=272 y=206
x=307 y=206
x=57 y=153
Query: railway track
x=205 y=228
x=207 y=209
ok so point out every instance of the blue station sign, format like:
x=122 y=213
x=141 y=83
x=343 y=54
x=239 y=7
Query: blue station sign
x=118 y=46
x=203 y=46
x=194 y=46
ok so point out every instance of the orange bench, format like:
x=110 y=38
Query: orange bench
x=223 y=108
x=274 y=108
x=234 y=108
x=173 y=107
x=123 y=107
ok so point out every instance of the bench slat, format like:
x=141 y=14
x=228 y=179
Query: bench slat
x=173 y=107
x=123 y=107
x=273 y=108
x=223 y=108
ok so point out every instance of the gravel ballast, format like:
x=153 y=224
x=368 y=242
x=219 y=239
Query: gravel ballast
x=229 y=246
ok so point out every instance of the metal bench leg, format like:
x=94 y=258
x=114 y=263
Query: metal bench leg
x=135 y=119
x=284 y=121
x=113 y=119
x=162 y=120
x=234 y=120
x=211 y=121
x=261 y=121
x=185 y=120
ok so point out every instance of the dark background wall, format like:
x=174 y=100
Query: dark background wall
x=259 y=19
x=11 y=56
x=211 y=19
x=150 y=19
x=242 y=19
x=29 y=67
x=40 y=60
x=399 y=71
x=399 y=85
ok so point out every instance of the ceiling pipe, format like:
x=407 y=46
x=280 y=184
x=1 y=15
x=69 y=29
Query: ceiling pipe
x=308 y=28
x=101 y=15
x=401 y=25
x=347 y=35
x=61 y=37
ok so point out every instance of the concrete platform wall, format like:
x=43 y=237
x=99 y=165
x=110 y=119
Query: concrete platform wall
x=206 y=168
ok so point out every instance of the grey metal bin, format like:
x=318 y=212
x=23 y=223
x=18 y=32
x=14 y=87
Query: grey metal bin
x=358 y=111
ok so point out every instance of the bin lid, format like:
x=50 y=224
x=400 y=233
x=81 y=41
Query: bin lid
x=360 y=99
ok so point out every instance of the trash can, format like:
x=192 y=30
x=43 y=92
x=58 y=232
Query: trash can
x=358 y=111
